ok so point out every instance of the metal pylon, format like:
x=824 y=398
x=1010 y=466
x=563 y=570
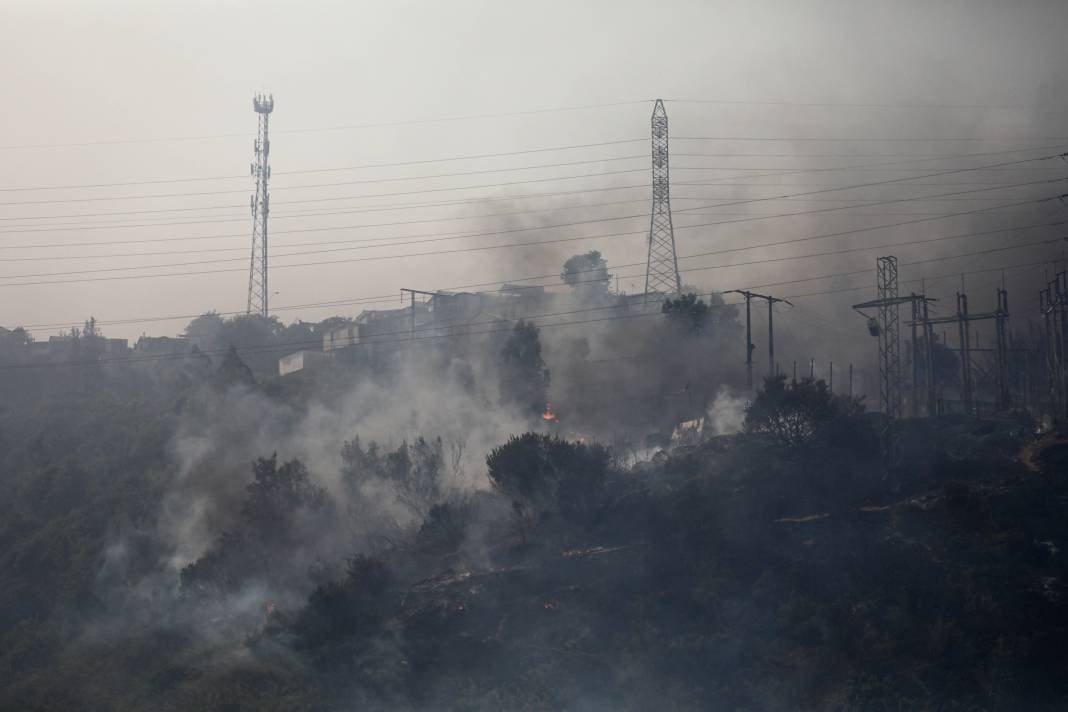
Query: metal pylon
x=662 y=268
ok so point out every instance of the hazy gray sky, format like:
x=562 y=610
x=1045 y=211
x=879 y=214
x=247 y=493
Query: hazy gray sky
x=118 y=75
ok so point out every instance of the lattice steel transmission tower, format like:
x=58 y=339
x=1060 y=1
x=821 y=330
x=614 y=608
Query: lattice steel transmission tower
x=886 y=327
x=260 y=205
x=889 y=338
x=662 y=268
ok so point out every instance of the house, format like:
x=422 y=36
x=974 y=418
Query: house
x=378 y=326
x=113 y=348
x=161 y=345
x=341 y=337
x=302 y=361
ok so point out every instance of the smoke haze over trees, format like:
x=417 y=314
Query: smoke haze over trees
x=461 y=460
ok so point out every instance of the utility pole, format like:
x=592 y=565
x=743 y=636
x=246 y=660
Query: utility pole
x=258 y=293
x=412 y=293
x=748 y=343
x=1001 y=352
x=771 y=333
x=928 y=359
x=914 y=360
x=1062 y=339
x=749 y=346
x=964 y=352
x=1046 y=307
x=662 y=267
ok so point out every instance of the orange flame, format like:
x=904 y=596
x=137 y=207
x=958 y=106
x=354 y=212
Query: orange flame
x=548 y=416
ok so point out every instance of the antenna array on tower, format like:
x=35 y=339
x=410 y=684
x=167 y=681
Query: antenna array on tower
x=260 y=206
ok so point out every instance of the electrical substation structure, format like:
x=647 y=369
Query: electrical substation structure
x=886 y=327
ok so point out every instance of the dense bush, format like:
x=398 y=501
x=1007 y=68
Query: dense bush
x=416 y=472
x=544 y=473
x=276 y=502
x=524 y=379
x=805 y=413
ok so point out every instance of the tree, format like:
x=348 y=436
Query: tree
x=233 y=371
x=266 y=531
x=349 y=612
x=446 y=524
x=524 y=379
x=803 y=413
x=695 y=317
x=276 y=493
x=688 y=313
x=13 y=344
x=416 y=472
x=587 y=274
x=543 y=473
x=205 y=329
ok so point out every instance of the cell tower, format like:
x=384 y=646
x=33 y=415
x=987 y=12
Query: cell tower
x=662 y=269
x=260 y=205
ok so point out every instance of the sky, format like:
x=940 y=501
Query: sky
x=767 y=100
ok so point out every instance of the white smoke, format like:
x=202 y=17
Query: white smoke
x=726 y=415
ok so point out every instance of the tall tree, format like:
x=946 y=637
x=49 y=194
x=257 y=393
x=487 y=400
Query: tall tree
x=524 y=379
x=587 y=274
x=233 y=371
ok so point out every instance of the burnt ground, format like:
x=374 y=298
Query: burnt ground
x=732 y=576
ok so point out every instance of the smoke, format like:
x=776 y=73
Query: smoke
x=726 y=415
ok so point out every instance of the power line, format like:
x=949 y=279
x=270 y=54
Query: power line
x=325 y=185
x=889 y=139
x=385 y=241
x=35 y=228
x=860 y=203
x=393 y=164
x=361 y=259
x=170 y=139
x=790 y=172
x=390 y=297
x=429 y=237
x=407 y=334
x=69 y=227
x=528 y=112
x=718 y=204
x=871 y=105
x=450 y=251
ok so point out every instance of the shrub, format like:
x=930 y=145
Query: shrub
x=806 y=413
x=545 y=473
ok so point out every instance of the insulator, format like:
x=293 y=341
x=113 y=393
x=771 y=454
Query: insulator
x=873 y=326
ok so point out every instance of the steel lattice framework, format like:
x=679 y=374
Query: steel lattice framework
x=889 y=339
x=662 y=269
x=260 y=205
